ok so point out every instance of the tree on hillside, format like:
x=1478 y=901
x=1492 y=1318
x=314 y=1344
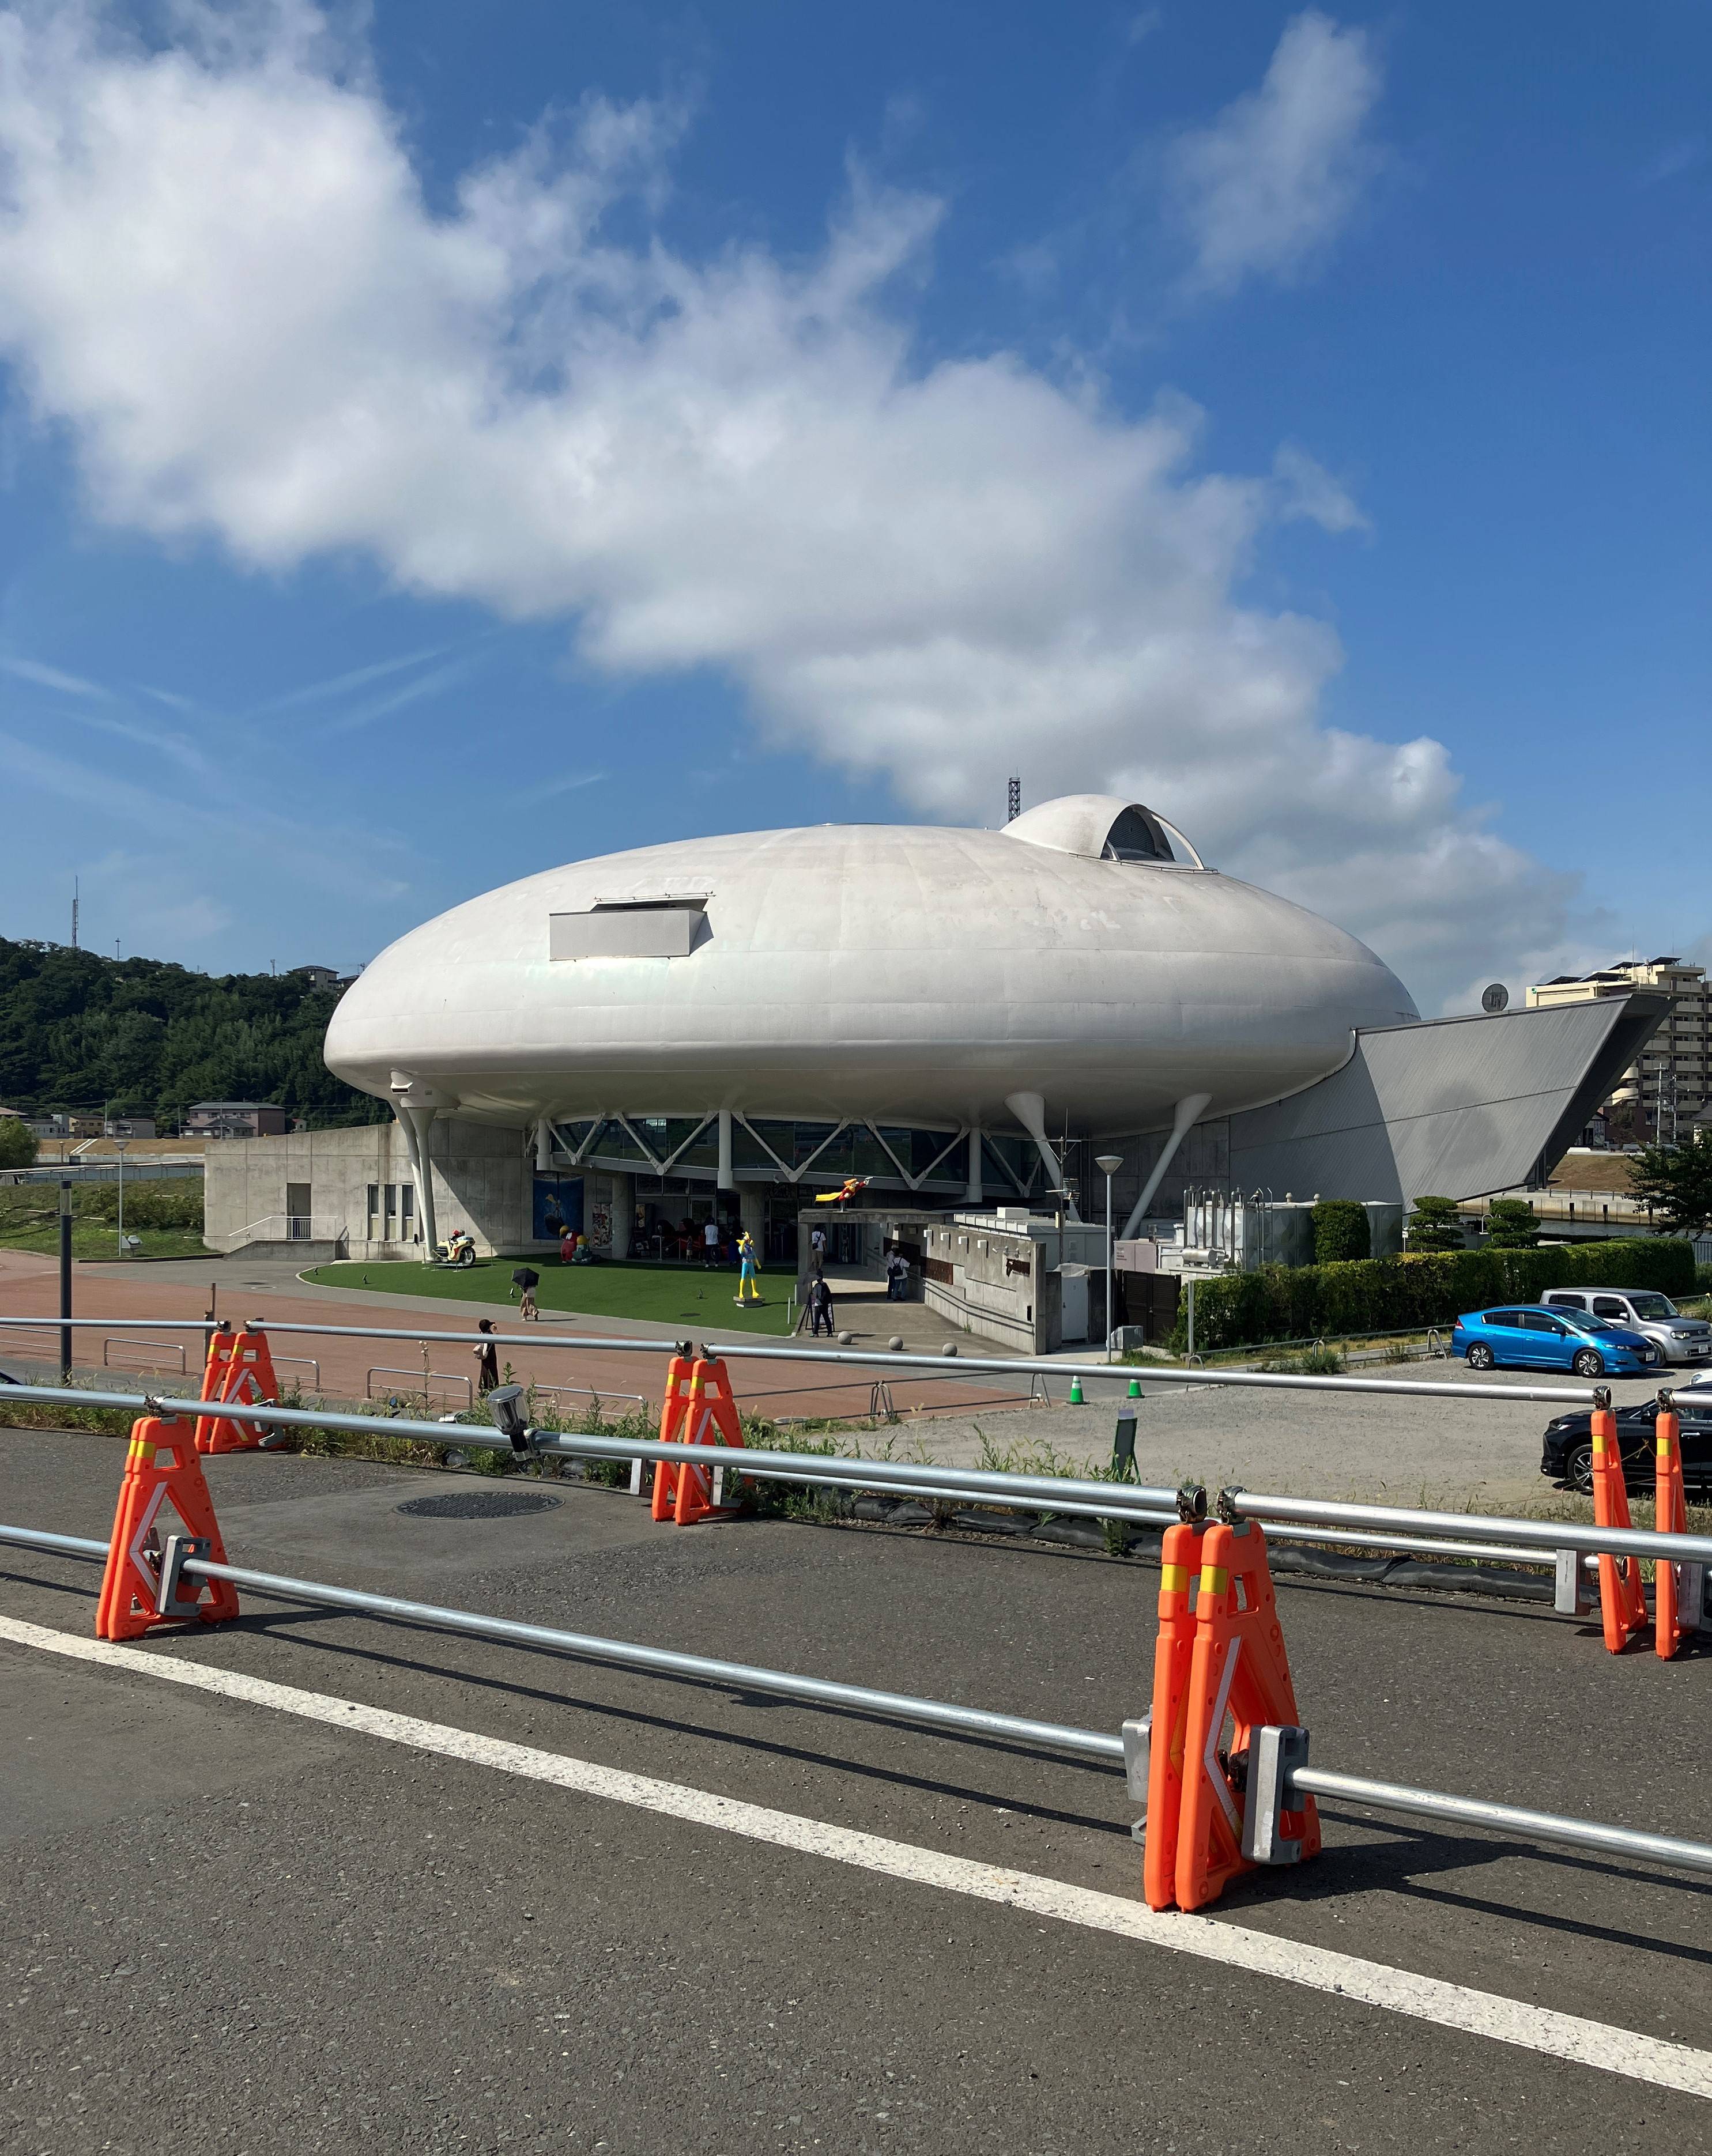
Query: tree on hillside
x=1433 y=1225
x=1676 y=1180
x=17 y=1142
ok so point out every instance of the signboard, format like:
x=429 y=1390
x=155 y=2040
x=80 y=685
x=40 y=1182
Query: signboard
x=1495 y=999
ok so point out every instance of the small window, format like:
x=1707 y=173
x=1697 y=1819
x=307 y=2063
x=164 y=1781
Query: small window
x=407 y=1202
x=1511 y=1318
x=373 y=1200
x=1136 y=837
x=1610 y=1306
x=391 y=1197
x=640 y=928
x=1559 y=1302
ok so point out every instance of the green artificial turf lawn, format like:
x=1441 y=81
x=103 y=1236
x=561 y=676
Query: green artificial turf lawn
x=665 y=1294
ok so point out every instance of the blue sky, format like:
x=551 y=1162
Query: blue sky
x=437 y=442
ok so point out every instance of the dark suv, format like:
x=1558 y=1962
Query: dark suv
x=1567 y=1457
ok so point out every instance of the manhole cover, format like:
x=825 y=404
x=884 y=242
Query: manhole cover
x=479 y=1505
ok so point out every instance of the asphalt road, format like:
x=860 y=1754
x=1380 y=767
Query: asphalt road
x=232 y=1929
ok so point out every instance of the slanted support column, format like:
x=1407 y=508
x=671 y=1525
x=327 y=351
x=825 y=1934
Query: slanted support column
x=1188 y=1108
x=972 y=1191
x=1029 y=1110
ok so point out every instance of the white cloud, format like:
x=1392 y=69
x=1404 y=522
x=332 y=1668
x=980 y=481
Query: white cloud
x=218 y=277
x=1307 y=490
x=1261 y=190
x=51 y=677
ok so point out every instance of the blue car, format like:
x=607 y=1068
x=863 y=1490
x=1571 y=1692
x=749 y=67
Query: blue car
x=1529 y=1337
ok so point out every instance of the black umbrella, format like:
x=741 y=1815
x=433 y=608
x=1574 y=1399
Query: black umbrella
x=525 y=1277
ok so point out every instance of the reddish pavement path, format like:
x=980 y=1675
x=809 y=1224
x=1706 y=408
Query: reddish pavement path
x=29 y=1288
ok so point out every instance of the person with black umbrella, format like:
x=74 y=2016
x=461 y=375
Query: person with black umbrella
x=526 y=1279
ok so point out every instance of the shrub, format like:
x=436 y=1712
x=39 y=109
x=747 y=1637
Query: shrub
x=166 y=1202
x=17 y=1143
x=1409 y=1293
x=1433 y=1225
x=1340 y=1232
x=1512 y=1224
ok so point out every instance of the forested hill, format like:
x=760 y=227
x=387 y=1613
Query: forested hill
x=78 y=1030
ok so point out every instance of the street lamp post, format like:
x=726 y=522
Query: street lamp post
x=1108 y=1163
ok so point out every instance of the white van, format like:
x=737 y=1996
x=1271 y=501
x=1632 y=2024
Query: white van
x=1679 y=1339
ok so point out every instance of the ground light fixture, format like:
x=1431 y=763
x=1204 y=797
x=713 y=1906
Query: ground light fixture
x=1108 y=1163
x=503 y=1405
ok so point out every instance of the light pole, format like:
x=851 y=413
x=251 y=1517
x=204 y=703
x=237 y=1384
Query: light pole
x=119 y=1147
x=1108 y=1163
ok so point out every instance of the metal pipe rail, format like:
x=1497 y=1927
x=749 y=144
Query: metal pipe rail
x=946 y=1366
x=1094 y=1745
x=1510 y=1539
x=819 y=1691
x=1510 y=1818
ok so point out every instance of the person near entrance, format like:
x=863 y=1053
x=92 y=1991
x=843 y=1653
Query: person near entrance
x=748 y=1290
x=819 y=1307
x=817 y=1247
x=710 y=1242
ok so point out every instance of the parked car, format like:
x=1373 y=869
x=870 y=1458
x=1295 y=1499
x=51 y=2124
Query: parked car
x=1529 y=1336
x=1679 y=1339
x=1567 y=1455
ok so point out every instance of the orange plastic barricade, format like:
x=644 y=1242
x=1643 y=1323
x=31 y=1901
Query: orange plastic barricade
x=1240 y=1676
x=673 y=1414
x=1622 y=1604
x=162 y=1477
x=1676 y=1598
x=215 y=1371
x=249 y=1376
x=712 y=1419
x=1179 y=1562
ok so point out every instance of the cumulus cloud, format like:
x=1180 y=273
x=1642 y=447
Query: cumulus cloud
x=218 y=275
x=1263 y=189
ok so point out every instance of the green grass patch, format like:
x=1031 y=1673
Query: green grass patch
x=701 y=1302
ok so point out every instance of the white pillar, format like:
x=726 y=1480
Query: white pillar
x=543 y=1145
x=624 y=1214
x=420 y=1120
x=1188 y=1109
x=1029 y=1110
x=724 y=1181
x=971 y=1194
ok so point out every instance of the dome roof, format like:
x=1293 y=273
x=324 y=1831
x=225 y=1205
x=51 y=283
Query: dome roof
x=1103 y=827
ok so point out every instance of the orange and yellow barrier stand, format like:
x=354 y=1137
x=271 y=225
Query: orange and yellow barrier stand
x=246 y=1375
x=215 y=1370
x=1675 y=1606
x=1622 y=1603
x=1239 y=1678
x=1174 y=1654
x=698 y=1409
x=163 y=1479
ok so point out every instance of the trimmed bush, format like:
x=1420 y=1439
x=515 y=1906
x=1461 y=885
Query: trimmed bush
x=1341 y=1234
x=1435 y=1226
x=1407 y=1294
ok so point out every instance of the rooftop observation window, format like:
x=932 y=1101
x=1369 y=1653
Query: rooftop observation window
x=1136 y=836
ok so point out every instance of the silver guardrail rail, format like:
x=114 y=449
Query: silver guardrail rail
x=952 y=1365
x=1125 y=1750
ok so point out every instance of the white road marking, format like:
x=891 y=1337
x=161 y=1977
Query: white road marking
x=1568 y=2036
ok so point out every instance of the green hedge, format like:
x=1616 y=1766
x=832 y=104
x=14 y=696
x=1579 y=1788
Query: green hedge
x=1308 y=1302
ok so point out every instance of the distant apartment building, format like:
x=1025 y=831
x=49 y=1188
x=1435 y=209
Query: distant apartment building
x=236 y=1119
x=129 y=1126
x=1662 y=1092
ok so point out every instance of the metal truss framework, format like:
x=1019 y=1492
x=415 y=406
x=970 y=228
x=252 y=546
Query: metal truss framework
x=581 y=1151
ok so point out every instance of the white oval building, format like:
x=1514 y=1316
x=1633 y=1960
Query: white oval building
x=720 y=1027
x=719 y=1002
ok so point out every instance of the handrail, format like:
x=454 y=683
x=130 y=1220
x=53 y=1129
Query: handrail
x=1028 y=1492
x=947 y=1366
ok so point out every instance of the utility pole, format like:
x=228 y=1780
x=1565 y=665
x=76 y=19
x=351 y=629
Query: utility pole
x=66 y=1279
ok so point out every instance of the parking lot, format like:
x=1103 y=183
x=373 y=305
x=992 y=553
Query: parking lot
x=366 y=1883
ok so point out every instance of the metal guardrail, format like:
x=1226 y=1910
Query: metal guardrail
x=586 y=1392
x=955 y=1364
x=1146 y=1504
x=1125 y=1749
x=301 y=1363
x=422 y=1380
x=148 y=1347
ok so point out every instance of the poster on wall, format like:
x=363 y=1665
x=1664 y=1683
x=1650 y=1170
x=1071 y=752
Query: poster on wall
x=558 y=1207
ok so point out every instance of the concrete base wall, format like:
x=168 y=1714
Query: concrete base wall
x=483 y=1182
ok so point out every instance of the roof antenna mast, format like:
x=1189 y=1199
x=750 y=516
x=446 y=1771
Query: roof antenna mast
x=1015 y=801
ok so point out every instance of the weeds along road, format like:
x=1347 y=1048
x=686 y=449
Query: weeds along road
x=374 y=1886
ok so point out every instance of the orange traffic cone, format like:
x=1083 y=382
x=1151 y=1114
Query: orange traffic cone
x=1622 y=1604
x=1240 y=1676
x=674 y=1412
x=1179 y=1562
x=712 y=1419
x=215 y=1370
x=161 y=1472
x=1676 y=1614
x=249 y=1376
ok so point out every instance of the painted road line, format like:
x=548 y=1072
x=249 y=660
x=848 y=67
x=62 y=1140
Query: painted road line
x=1567 y=2037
